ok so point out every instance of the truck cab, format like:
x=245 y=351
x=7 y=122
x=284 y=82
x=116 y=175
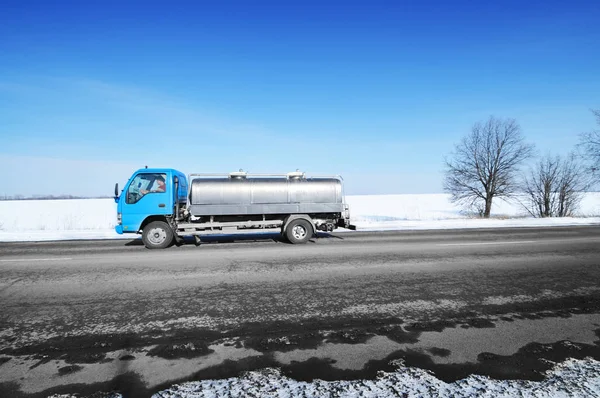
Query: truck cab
x=149 y=195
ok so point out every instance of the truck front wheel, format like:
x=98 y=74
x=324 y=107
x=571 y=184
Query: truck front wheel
x=299 y=231
x=157 y=235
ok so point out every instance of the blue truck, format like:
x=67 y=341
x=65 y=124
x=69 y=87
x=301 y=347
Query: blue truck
x=164 y=205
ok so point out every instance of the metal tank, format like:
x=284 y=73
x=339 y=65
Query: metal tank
x=242 y=193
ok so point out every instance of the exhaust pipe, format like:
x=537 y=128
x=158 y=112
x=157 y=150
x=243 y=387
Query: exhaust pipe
x=176 y=180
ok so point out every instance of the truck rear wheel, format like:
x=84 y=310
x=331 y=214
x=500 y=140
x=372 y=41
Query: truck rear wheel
x=299 y=231
x=157 y=235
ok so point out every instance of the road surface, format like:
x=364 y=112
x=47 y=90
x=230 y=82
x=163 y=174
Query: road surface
x=93 y=316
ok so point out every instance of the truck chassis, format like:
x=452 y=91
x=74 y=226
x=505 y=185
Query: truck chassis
x=296 y=228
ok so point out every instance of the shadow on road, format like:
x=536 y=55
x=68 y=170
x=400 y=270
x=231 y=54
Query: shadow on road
x=239 y=238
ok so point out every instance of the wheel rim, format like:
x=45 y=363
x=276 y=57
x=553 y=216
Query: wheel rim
x=299 y=232
x=156 y=236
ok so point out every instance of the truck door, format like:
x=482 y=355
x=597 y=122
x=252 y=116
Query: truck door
x=146 y=195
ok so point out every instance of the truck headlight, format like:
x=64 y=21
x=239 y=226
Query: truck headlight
x=119 y=219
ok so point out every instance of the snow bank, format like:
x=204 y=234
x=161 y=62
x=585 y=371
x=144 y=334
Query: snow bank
x=572 y=378
x=57 y=215
x=433 y=207
x=39 y=220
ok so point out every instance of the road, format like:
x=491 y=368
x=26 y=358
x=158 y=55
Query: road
x=91 y=316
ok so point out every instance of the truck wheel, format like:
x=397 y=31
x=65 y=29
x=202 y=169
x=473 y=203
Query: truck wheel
x=299 y=231
x=157 y=235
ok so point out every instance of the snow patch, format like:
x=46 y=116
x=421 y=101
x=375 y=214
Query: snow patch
x=572 y=378
x=421 y=306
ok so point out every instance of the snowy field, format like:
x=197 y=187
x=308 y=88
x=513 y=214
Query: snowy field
x=42 y=220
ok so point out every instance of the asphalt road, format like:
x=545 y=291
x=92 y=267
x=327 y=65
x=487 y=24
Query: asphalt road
x=99 y=315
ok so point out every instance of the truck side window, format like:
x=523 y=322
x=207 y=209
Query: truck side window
x=145 y=183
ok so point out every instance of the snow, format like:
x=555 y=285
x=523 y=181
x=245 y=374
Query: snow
x=572 y=378
x=45 y=220
x=40 y=220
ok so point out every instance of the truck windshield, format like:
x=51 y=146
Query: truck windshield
x=145 y=183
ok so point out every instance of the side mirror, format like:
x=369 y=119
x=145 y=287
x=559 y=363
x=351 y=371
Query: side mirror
x=117 y=192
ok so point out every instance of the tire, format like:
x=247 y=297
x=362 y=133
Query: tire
x=299 y=231
x=157 y=235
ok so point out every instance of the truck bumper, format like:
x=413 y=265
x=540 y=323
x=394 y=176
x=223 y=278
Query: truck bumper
x=345 y=223
x=119 y=229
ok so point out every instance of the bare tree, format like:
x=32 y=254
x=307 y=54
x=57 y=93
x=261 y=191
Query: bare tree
x=485 y=164
x=590 y=144
x=555 y=186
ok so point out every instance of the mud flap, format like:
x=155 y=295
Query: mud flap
x=179 y=240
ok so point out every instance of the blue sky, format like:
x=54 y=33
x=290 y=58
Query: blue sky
x=375 y=91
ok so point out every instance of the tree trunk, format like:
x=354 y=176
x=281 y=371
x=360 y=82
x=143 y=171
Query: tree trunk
x=488 y=207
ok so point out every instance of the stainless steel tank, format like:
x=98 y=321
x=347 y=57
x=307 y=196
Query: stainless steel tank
x=241 y=194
